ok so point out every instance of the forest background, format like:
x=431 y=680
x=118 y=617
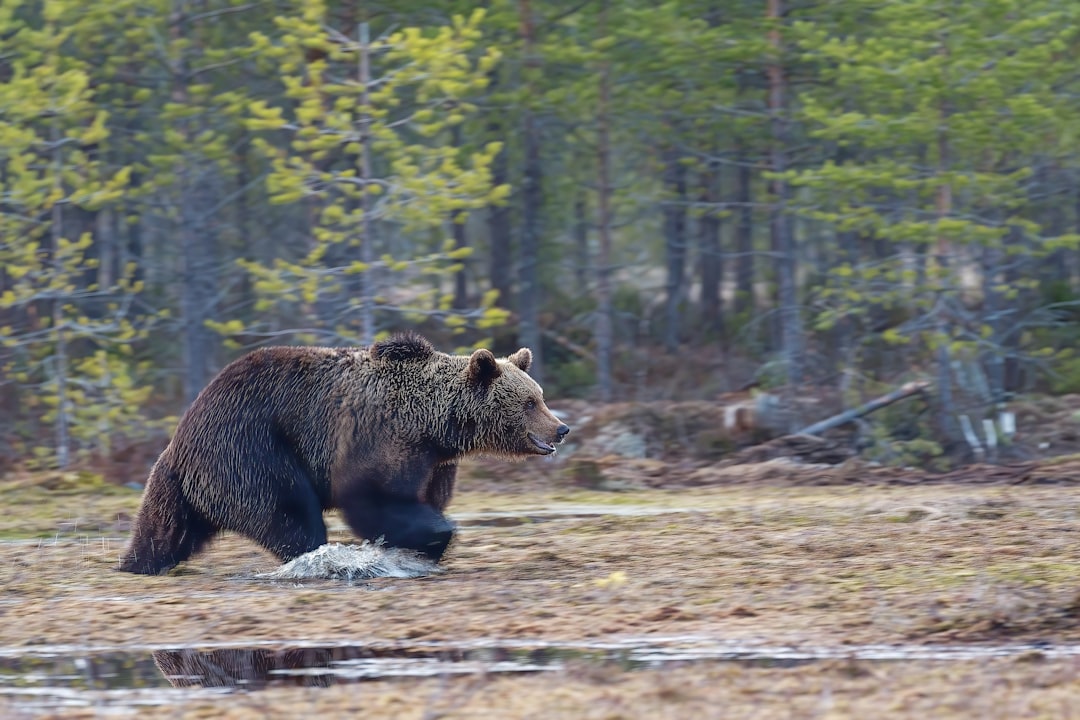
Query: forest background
x=664 y=200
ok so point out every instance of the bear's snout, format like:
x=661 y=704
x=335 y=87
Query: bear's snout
x=542 y=445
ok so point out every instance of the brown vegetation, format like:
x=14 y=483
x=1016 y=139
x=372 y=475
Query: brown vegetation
x=776 y=560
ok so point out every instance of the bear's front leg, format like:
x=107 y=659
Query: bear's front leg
x=401 y=522
x=412 y=525
x=392 y=503
x=440 y=487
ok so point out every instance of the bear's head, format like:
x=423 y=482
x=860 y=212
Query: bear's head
x=508 y=409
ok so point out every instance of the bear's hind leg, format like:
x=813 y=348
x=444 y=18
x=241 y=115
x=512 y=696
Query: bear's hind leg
x=167 y=529
x=295 y=526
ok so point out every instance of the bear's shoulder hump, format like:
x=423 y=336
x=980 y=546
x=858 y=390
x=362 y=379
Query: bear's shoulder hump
x=403 y=346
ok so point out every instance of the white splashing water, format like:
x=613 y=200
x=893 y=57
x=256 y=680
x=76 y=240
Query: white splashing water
x=335 y=561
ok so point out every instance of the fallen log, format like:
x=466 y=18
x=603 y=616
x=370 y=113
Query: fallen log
x=904 y=391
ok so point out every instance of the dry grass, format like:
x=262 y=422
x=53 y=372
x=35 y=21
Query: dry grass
x=810 y=566
x=998 y=689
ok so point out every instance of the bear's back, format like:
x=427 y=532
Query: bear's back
x=271 y=396
x=276 y=380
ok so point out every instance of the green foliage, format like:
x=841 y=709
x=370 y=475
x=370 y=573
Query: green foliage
x=1065 y=378
x=929 y=113
x=395 y=125
x=1057 y=342
x=575 y=377
x=918 y=452
x=52 y=135
x=223 y=160
x=903 y=435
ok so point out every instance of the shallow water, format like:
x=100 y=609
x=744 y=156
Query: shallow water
x=74 y=676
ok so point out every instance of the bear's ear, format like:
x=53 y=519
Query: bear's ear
x=482 y=368
x=522 y=358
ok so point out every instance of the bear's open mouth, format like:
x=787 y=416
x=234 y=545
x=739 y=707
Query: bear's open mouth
x=543 y=447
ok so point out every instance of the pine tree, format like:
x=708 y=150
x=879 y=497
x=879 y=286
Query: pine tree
x=369 y=148
x=66 y=340
x=938 y=108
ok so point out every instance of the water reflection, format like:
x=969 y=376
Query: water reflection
x=78 y=673
x=254 y=668
x=250 y=668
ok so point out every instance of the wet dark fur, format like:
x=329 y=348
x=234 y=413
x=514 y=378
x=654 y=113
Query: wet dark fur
x=283 y=434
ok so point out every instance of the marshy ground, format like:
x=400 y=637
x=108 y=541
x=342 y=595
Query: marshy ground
x=741 y=600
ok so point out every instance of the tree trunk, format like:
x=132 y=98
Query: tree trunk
x=1056 y=267
x=105 y=234
x=1012 y=372
x=843 y=334
x=744 y=234
x=461 y=277
x=532 y=202
x=711 y=259
x=946 y=426
x=248 y=251
x=1076 y=229
x=60 y=349
x=674 y=246
x=461 y=241
x=77 y=222
x=603 y=328
x=499 y=232
x=197 y=288
x=134 y=245
x=581 y=242
x=783 y=241
x=367 y=240
x=194 y=295
x=992 y=313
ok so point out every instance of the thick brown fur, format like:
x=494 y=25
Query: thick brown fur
x=284 y=433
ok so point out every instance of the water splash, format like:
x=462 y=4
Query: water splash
x=336 y=561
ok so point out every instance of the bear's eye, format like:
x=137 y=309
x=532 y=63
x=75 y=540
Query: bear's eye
x=530 y=404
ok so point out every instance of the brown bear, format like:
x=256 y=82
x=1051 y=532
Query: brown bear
x=284 y=433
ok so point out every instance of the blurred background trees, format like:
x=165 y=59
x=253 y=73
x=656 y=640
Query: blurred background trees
x=664 y=200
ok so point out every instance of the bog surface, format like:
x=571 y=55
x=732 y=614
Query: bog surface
x=744 y=601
